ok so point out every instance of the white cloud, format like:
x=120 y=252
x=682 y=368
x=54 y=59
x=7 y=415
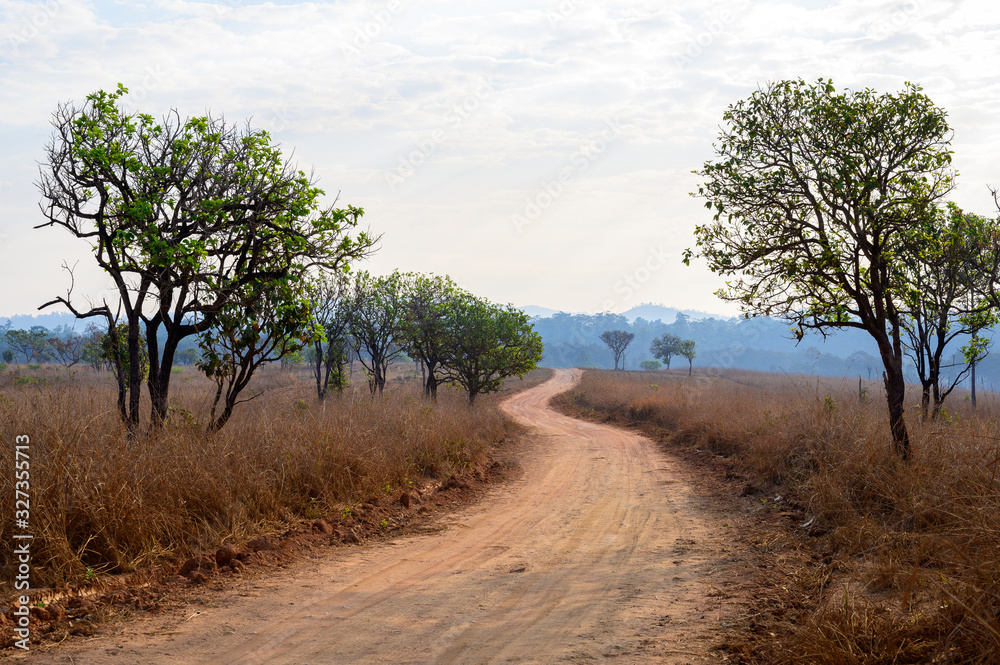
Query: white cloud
x=356 y=88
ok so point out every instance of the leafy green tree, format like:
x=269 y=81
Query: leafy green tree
x=113 y=346
x=665 y=347
x=486 y=344
x=8 y=356
x=617 y=341
x=686 y=350
x=650 y=365
x=425 y=323
x=814 y=193
x=186 y=217
x=279 y=323
x=946 y=299
x=374 y=327
x=32 y=344
x=332 y=302
x=188 y=356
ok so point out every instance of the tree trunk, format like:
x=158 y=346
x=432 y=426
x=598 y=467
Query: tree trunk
x=895 y=393
x=973 y=395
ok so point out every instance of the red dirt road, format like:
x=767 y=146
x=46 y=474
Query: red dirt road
x=603 y=549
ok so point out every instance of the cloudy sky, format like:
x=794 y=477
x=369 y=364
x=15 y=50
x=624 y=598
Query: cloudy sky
x=538 y=152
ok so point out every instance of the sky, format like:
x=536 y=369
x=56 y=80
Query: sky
x=539 y=153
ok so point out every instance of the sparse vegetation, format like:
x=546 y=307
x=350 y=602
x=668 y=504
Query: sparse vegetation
x=905 y=555
x=104 y=503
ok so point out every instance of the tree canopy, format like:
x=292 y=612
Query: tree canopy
x=190 y=218
x=814 y=194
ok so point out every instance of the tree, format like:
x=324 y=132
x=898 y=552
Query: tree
x=486 y=344
x=665 y=347
x=279 y=323
x=186 y=217
x=425 y=323
x=332 y=301
x=69 y=351
x=617 y=341
x=946 y=299
x=32 y=344
x=814 y=193
x=650 y=365
x=8 y=356
x=113 y=345
x=686 y=350
x=376 y=312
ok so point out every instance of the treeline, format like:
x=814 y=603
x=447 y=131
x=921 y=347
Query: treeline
x=211 y=236
x=574 y=340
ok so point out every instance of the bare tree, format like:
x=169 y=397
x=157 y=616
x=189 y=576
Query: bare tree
x=617 y=341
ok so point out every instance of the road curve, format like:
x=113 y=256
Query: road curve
x=600 y=550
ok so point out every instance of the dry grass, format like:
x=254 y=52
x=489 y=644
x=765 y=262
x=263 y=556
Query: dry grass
x=908 y=552
x=101 y=503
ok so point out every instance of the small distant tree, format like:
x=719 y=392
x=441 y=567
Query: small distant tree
x=92 y=354
x=67 y=351
x=617 y=341
x=665 y=347
x=32 y=344
x=279 y=324
x=650 y=365
x=686 y=350
x=8 y=356
x=332 y=301
x=945 y=299
x=374 y=327
x=188 y=356
x=487 y=343
x=425 y=322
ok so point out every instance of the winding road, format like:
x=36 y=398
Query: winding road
x=603 y=549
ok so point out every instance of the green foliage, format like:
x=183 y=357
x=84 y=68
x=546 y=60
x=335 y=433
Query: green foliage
x=8 y=356
x=487 y=343
x=116 y=345
x=204 y=217
x=377 y=309
x=617 y=341
x=650 y=365
x=425 y=322
x=665 y=347
x=813 y=194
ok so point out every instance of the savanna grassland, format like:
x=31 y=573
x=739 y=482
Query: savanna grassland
x=899 y=560
x=102 y=504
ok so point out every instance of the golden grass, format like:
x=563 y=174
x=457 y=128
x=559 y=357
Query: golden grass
x=101 y=503
x=912 y=548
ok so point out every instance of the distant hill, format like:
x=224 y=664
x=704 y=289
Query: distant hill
x=535 y=310
x=50 y=320
x=653 y=312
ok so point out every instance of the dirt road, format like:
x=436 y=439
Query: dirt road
x=601 y=550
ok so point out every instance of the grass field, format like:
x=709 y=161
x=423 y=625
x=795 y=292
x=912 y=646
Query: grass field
x=906 y=555
x=100 y=503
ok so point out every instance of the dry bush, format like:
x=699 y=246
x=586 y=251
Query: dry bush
x=101 y=502
x=919 y=539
